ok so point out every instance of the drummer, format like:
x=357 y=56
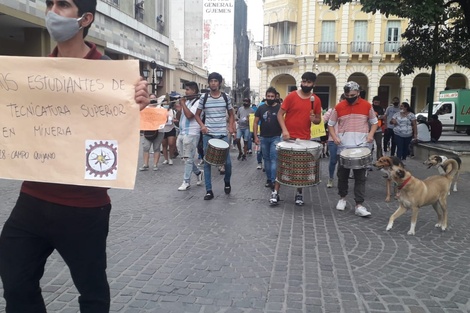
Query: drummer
x=296 y=115
x=352 y=116
x=216 y=126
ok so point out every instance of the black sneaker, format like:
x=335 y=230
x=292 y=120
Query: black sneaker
x=239 y=156
x=209 y=195
x=227 y=188
x=268 y=184
x=299 y=199
x=243 y=157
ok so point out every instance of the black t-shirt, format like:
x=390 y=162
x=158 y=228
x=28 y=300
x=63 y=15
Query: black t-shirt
x=269 y=126
x=379 y=109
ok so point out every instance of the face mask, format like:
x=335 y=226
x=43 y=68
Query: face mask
x=62 y=28
x=351 y=100
x=270 y=101
x=306 y=89
x=166 y=107
x=402 y=111
x=395 y=103
x=246 y=105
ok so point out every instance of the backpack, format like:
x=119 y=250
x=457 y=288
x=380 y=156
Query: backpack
x=206 y=95
x=204 y=100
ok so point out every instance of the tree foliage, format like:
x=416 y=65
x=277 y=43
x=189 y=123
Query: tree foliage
x=438 y=30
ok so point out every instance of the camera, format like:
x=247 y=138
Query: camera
x=153 y=101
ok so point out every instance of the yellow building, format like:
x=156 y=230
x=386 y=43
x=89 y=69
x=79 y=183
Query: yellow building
x=339 y=46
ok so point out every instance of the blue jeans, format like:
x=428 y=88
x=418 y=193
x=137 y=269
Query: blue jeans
x=402 y=146
x=207 y=166
x=250 y=142
x=244 y=133
x=268 y=146
x=333 y=150
x=187 y=146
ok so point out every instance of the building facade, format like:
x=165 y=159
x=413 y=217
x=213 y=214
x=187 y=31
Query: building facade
x=339 y=46
x=123 y=30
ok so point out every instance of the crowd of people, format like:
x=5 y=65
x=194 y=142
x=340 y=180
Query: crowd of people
x=74 y=220
x=351 y=123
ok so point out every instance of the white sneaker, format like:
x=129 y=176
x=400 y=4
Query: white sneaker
x=330 y=183
x=184 y=186
x=362 y=211
x=274 y=198
x=165 y=162
x=199 y=178
x=258 y=167
x=170 y=162
x=341 y=205
x=299 y=199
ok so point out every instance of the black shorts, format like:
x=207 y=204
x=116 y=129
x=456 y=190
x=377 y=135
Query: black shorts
x=171 y=133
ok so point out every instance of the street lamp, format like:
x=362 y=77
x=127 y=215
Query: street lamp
x=159 y=71
x=145 y=73
x=153 y=66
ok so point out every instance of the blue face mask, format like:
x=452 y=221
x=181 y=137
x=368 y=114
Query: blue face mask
x=166 y=107
x=62 y=28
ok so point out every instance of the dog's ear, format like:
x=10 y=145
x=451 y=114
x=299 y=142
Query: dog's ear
x=400 y=173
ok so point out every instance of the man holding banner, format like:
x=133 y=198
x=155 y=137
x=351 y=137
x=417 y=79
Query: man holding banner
x=72 y=219
x=298 y=111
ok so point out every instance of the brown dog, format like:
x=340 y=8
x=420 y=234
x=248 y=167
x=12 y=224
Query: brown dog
x=385 y=164
x=416 y=193
x=438 y=161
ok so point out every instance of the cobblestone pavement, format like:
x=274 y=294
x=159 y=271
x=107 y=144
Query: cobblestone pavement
x=171 y=251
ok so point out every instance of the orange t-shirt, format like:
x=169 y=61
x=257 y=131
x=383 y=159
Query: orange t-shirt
x=297 y=118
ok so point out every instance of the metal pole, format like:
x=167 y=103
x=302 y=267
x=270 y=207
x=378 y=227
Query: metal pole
x=153 y=81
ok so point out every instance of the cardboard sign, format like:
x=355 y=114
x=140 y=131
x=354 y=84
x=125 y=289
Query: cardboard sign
x=153 y=118
x=252 y=122
x=318 y=130
x=69 y=121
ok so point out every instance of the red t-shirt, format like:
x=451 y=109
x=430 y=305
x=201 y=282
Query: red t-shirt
x=69 y=195
x=297 y=118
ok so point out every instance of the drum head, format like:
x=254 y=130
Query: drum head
x=299 y=145
x=355 y=152
x=218 y=143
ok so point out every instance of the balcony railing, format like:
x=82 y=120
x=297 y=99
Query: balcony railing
x=270 y=51
x=392 y=46
x=327 y=47
x=360 y=47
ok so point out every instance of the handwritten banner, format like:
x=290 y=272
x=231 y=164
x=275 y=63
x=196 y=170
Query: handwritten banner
x=69 y=121
x=153 y=118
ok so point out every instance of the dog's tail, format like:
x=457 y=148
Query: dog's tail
x=451 y=168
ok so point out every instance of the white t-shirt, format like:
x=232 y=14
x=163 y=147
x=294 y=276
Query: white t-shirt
x=190 y=126
x=423 y=132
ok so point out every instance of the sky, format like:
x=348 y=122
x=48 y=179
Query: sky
x=217 y=23
x=255 y=18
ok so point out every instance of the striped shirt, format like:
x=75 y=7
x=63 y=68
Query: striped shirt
x=353 y=123
x=216 y=114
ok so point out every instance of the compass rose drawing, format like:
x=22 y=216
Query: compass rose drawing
x=101 y=159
